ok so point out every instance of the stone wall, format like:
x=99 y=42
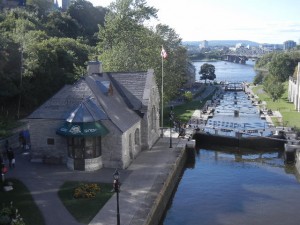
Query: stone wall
x=112 y=146
x=151 y=134
x=292 y=93
x=294 y=90
x=90 y=164
x=42 y=130
x=165 y=194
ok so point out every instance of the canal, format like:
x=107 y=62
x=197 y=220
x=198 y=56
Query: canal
x=233 y=187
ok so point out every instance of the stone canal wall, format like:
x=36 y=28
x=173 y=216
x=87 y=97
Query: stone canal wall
x=170 y=182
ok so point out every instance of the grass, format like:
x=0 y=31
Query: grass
x=290 y=116
x=23 y=201
x=83 y=209
x=185 y=111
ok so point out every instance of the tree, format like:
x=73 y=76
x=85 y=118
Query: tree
x=88 y=17
x=175 y=66
x=207 y=71
x=124 y=22
x=263 y=62
x=42 y=7
x=274 y=87
x=62 y=25
x=188 y=95
x=259 y=77
x=282 y=66
x=51 y=64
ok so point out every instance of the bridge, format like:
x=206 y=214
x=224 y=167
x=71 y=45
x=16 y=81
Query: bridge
x=235 y=58
x=241 y=55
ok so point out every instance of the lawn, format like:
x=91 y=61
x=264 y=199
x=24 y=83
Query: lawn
x=185 y=111
x=23 y=201
x=290 y=116
x=84 y=209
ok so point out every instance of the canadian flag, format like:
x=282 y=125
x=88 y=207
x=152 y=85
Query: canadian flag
x=163 y=53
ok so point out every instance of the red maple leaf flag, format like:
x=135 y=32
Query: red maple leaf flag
x=163 y=53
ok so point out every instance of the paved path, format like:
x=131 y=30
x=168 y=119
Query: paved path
x=141 y=182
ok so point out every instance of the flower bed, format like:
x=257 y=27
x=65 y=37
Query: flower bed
x=86 y=190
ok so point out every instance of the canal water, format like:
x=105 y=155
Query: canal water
x=232 y=187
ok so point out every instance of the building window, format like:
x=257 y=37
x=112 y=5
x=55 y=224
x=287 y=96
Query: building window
x=153 y=118
x=130 y=147
x=137 y=137
x=84 y=148
x=50 y=141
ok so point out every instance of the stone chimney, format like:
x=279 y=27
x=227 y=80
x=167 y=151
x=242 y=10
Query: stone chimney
x=94 y=67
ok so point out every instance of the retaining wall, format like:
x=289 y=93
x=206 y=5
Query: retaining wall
x=160 y=204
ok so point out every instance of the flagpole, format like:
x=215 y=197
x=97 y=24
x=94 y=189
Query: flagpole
x=162 y=92
x=163 y=56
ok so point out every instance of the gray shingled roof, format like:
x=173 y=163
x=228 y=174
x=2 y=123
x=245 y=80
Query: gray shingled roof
x=130 y=92
x=132 y=86
x=113 y=105
x=63 y=102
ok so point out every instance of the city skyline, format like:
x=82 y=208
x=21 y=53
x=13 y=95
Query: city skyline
x=268 y=21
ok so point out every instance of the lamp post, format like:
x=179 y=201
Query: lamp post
x=116 y=186
x=171 y=121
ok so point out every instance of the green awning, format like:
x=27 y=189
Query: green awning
x=83 y=129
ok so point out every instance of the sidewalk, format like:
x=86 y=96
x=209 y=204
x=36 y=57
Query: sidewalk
x=141 y=182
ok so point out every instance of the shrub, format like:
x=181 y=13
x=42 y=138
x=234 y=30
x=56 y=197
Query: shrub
x=9 y=215
x=86 y=191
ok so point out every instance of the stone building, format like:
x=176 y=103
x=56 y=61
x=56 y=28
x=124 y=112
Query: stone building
x=294 y=90
x=103 y=120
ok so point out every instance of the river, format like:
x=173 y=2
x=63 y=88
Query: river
x=232 y=188
x=226 y=71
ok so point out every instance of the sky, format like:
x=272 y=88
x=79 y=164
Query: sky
x=262 y=21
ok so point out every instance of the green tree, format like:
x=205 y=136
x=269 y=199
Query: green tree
x=124 y=22
x=126 y=44
x=51 y=64
x=88 y=17
x=188 y=96
x=61 y=25
x=9 y=69
x=207 y=71
x=259 y=77
x=263 y=62
x=48 y=63
x=175 y=66
x=282 y=66
x=274 y=87
x=42 y=7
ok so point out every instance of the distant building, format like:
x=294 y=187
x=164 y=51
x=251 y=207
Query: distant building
x=239 y=45
x=18 y=3
x=65 y=4
x=204 y=44
x=12 y=3
x=270 y=47
x=289 y=44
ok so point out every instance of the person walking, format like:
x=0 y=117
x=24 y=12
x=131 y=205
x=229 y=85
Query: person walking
x=3 y=172
x=11 y=158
